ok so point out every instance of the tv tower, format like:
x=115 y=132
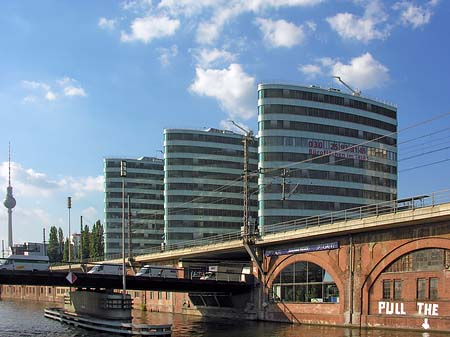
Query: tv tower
x=9 y=202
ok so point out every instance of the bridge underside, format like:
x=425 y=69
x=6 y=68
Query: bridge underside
x=83 y=280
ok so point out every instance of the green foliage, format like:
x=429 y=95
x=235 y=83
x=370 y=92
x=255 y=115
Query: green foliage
x=66 y=251
x=97 y=241
x=61 y=241
x=53 y=249
x=85 y=242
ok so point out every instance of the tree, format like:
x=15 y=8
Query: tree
x=97 y=240
x=61 y=242
x=85 y=242
x=66 y=251
x=53 y=245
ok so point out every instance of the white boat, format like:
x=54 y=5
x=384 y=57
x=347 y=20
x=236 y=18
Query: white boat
x=113 y=326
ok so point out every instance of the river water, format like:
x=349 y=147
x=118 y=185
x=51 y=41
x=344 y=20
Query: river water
x=26 y=319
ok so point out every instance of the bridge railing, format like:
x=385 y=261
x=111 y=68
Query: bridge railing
x=394 y=206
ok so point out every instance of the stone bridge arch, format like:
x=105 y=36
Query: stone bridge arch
x=325 y=263
x=393 y=255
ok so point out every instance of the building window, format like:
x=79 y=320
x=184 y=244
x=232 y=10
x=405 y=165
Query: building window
x=167 y=295
x=386 y=289
x=421 y=289
x=304 y=282
x=433 y=288
x=397 y=289
x=159 y=295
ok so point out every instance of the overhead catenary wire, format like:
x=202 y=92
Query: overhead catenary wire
x=309 y=160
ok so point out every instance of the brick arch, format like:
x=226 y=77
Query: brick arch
x=330 y=267
x=392 y=256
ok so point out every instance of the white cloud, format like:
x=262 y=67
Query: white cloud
x=90 y=213
x=258 y=5
x=232 y=87
x=50 y=96
x=415 y=16
x=74 y=91
x=29 y=99
x=311 y=25
x=281 y=33
x=351 y=27
x=166 y=54
x=36 y=85
x=71 y=87
x=224 y=11
x=365 y=28
x=209 y=32
x=189 y=7
x=208 y=17
x=80 y=186
x=363 y=72
x=105 y=23
x=27 y=182
x=310 y=70
x=148 y=28
x=210 y=57
x=30 y=183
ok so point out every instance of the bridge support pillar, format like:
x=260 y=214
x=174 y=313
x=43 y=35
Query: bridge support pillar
x=100 y=304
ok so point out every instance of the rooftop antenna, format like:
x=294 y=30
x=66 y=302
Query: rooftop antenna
x=354 y=92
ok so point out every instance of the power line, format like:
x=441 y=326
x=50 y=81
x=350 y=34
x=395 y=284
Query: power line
x=425 y=165
x=332 y=153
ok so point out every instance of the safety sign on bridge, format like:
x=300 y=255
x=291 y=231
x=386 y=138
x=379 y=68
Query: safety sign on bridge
x=71 y=277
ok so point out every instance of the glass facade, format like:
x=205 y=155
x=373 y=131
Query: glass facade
x=304 y=282
x=321 y=151
x=203 y=188
x=144 y=185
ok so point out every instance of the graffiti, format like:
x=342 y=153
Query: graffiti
x=398 y=308
x=427 y=309
x=389 y=308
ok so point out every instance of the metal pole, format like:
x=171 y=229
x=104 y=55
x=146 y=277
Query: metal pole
x=123 y=174
x=246 y=188
x=69 y=206
x=247 y=136
x=129 y=230
x=81 y=239
x=43 y=236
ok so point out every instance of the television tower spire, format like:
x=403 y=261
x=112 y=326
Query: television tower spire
x=9 y=202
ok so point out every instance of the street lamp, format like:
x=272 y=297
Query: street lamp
x=123 y=174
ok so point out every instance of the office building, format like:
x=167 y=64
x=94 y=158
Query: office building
x=322 y=150
x=144 y=185
x=203 y=185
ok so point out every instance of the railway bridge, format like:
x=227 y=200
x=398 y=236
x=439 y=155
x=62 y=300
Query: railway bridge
x=380 y=265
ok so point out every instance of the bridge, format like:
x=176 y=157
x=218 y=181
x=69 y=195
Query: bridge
x=386 y=264
x=97 y=281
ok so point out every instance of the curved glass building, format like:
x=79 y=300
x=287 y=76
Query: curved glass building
x=321 y=150
x=144 y=185
x=203 y=188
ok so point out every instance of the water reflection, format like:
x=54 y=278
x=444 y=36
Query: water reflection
x=26 y=319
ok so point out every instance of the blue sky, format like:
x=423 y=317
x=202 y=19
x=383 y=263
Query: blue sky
x=83 y=80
